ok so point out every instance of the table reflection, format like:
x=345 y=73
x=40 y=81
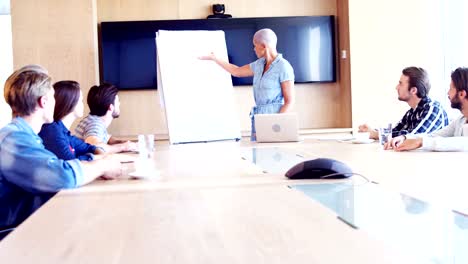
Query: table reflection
x=432 y=233
x=273 y=160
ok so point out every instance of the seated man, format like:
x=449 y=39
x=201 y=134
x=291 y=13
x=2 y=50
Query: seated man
x=104 y=105
x=452 y=138
x=30 y=174
x=425 y=115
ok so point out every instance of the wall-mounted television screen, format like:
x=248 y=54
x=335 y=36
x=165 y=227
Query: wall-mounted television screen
x=128 y=49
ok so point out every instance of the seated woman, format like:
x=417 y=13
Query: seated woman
x=56 y=136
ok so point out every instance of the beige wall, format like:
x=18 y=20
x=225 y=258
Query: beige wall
x=319 y=105
x=6 y=65
x=385 y=37
x=61 y=35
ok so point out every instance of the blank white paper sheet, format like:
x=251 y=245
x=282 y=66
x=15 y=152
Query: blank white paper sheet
x=198 y=94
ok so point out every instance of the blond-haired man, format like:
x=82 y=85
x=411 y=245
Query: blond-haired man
x=26 y=167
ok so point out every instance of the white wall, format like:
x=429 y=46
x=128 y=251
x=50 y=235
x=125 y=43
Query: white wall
x=455 y=33
x=6 y=65
x=385 y=37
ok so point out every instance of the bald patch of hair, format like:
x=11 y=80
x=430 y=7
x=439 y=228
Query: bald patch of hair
x=267 y=37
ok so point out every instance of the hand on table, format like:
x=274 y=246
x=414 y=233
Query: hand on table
x=373 y=134
x=401 y=143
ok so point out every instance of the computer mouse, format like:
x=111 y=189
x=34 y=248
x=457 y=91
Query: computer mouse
x=319 y=169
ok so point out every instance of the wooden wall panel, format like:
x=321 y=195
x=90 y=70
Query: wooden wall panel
x=59 y=35
x=318 y=105
x=344 y=63
x=62 y=36
x=126 y=10
x=6 y=65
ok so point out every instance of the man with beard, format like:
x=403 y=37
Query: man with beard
x=452 y=138
x=104 y=105
x=425 y=115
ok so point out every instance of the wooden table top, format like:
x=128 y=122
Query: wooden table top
x=211 y=204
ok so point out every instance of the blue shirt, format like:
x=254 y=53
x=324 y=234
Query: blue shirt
x=267 y=86
x=427 y=117
x=26 y=165
x=57 y=138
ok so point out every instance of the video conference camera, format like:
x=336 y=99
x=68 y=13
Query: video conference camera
x=218 y=12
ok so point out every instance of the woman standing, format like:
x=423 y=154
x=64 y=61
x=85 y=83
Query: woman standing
x=273 y=76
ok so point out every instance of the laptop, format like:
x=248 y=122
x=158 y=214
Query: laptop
x=277 y=127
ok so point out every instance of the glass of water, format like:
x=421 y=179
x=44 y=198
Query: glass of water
x=385 y=134
x=146 y=145
x=149 y=145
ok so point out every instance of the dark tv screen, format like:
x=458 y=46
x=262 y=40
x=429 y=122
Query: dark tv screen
x=128 y=49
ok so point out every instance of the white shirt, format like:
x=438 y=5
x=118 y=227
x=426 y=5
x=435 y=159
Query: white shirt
x=454 y=137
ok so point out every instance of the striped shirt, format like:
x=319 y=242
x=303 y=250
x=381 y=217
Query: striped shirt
x=92 y=126
x=427 y=117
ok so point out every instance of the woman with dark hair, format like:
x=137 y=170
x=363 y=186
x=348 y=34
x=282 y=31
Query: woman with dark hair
x=56 y=135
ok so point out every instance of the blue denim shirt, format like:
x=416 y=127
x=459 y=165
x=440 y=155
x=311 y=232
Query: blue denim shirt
x=267 y=90
x=25 y=163
x=267 y=86
x=57 y=138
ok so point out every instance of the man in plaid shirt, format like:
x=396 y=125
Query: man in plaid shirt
x=424 y=116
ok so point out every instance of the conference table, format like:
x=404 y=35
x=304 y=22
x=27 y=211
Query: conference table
x=229 y=202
